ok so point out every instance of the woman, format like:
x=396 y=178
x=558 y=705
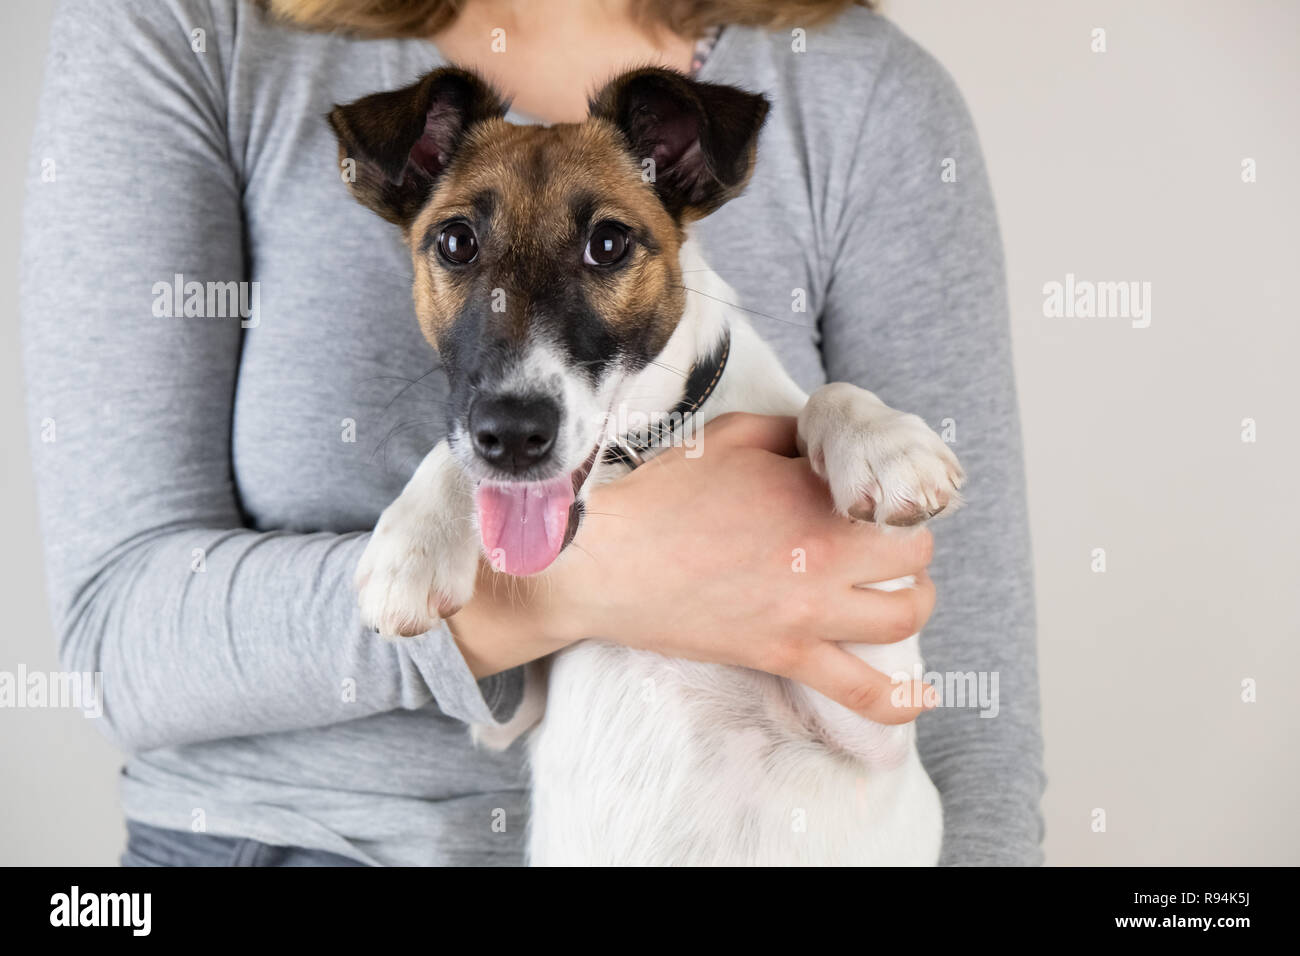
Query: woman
x=216 y=468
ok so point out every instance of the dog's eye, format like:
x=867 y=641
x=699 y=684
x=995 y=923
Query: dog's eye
x=608 y=244
x=458 y=244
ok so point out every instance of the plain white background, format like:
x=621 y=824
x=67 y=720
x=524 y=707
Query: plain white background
x=1115 y=166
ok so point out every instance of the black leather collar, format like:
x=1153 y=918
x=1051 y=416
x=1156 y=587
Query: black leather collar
x=700 y=383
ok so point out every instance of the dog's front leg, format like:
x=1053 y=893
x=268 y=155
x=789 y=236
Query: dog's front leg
x=422 y=560
x=889 y=467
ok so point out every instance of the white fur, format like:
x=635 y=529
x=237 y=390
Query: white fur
x=641 y=759
x=645 y=760
x=424 y=551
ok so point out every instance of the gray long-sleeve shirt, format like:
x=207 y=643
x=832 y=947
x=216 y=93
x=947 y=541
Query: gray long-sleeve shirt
x=205 y=488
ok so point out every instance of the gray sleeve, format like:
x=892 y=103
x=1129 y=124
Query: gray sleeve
x=201 y=628
x=917 y=312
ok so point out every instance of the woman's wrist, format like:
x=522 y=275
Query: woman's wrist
x=510 y=622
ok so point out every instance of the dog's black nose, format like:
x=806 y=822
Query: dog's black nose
x=514 y=434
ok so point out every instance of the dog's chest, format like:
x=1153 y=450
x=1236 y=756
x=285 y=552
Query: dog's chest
x=649 y=761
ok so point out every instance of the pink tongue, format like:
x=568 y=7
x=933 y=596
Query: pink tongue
x=523 y=525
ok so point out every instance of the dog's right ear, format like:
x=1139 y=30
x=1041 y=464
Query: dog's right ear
x=401 y=141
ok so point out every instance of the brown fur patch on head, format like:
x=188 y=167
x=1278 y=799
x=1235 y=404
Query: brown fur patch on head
x=533 y=195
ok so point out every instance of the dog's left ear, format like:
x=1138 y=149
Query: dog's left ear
x=401 y=141
x=700 y=136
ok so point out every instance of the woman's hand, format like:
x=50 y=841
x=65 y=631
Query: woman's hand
x=735 y=557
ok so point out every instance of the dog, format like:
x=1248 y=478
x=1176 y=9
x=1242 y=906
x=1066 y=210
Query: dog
x=548 y=276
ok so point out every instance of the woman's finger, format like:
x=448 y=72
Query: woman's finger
x=882 y=554
x=834 y=672
x=867 y=615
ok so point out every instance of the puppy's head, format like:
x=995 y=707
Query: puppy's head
x=546 y=264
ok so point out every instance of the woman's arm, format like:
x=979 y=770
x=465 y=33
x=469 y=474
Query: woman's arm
x=917 y=312
x=673 y=559
x=202 y=629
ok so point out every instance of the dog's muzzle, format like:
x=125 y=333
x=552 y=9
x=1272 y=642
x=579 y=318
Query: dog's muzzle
x=526 y=524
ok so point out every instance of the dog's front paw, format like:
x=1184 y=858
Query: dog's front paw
x=422 y=560
x=408 y=581
x=882 y=465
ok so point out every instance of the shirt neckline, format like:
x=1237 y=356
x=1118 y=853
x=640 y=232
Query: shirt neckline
x=707 y=68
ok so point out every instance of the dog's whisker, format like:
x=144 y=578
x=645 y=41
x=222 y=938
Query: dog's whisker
x=383 y=442
x=733 y=305
x=407 y=277
x=517 y=595
x=397 y=378
x=574 y=544
x=405 y=425
x=600 y=514
x=637 y=397
x=412 y=384
x=675 y=371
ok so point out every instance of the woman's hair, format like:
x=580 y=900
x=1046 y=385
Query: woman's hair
x=422 y=18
